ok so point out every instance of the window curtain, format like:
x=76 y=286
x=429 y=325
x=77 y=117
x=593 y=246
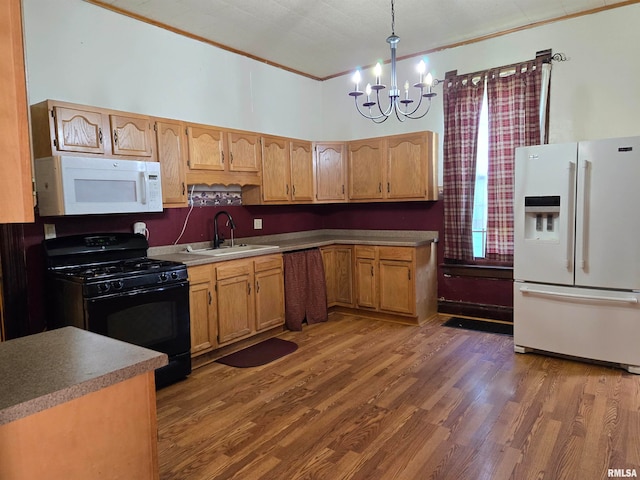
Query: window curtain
x=514 y=121
x=462 y=103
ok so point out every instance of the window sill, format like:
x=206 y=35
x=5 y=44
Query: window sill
x=477 y=271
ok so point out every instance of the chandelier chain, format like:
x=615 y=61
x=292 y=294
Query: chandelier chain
x=393 y=18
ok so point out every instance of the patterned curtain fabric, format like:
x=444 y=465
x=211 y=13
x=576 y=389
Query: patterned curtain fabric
x=462 y=104
x=305 y=294
x=514 y=121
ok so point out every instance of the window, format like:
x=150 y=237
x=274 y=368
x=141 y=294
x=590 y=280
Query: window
x=487 y=116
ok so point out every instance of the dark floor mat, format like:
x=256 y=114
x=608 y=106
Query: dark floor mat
x=259 y=354
x=479 y=325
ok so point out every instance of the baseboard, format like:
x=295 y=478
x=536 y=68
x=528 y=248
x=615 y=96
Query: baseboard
x=477 y=310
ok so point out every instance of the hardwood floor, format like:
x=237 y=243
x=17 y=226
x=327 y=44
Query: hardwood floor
x=365 y=399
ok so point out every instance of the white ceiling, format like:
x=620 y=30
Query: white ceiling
x=322 y=38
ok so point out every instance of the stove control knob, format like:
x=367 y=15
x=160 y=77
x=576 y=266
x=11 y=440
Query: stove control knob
x=117 y=284
x=174 y=275
x=104 y=287
x=163 y=277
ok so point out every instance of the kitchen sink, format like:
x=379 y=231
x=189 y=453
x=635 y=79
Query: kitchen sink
x=230 y=250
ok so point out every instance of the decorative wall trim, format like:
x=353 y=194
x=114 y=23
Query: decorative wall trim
x=215 y=196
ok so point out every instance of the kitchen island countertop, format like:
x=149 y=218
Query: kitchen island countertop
x=41 y=371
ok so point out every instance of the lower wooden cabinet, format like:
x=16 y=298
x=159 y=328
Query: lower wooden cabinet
x=233 y=300
x=338 y=273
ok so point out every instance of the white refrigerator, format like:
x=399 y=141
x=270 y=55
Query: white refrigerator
x=577 y=250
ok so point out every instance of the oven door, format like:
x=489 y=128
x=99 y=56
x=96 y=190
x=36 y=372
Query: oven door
x=156 y=317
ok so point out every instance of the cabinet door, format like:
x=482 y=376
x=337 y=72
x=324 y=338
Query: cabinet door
x=15 y=182
x=244 y=152
x=171 y=155
x=78 y=130
x=407 y=170
x=343 y=274
x=329 y=264
x=330 y=172
x=202 y=309
x=366 y=169
x=301 y=171
x=131 y=135
x=269 y=286
x=275 y=170
x=366 y=283
x=206 y=148
x=397 y=287
x=236 y=314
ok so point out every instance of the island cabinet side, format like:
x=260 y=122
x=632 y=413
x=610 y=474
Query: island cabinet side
x=108 y=433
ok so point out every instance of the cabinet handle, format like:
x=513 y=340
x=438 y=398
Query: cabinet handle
x=257 y=287
x=222 y=153
x=248 y=289
x=183 y=188
x=380 y=187
x=343 y=188
x=409 y=274
x=287 y=189
x=372 y=270
x=388 y=187
x=294 y=189
x=230 y=157
x=210 y=298
x=115 y=137
x=100 y=135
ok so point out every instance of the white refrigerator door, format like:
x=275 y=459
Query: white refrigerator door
x=607 y=216
x=544 y=238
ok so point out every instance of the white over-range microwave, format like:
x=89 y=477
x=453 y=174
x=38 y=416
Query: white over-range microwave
x=68 y=185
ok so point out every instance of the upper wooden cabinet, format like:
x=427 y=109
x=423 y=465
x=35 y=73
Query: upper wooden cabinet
x=412 y=166
x=301 y=171
x=172 y=154
x=16 y=190
x=366 y=169
x=216 y=155
x=61 y=127
x=330 y=172
x=395 y=168
x=287 y=173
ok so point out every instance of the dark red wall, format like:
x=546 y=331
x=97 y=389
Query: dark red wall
x=165 y=228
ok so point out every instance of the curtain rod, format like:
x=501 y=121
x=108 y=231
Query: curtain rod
x=546 y=56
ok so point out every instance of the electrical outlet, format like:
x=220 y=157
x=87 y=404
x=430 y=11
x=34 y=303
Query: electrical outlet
x=257 y=224
x=49 y=230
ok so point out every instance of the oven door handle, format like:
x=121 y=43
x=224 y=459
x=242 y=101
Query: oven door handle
x=138 y=291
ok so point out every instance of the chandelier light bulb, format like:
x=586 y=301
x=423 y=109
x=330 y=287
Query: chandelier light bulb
x=356 y=79
x=368 y=90
x=429 y=79
x=377 y=71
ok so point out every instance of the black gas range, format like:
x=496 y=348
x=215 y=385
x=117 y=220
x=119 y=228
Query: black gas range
x=105 y=283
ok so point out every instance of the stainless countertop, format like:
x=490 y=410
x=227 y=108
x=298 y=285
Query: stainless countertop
x=44 y=370
x=288 y=242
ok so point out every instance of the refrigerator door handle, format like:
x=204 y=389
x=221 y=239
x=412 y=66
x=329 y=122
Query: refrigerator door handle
x=572 y=182
x=585 y=215
x=534 y=291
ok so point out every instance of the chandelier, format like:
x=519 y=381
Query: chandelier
x=401 y=107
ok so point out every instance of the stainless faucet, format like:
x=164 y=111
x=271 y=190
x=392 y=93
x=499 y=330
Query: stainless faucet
x=218 y=239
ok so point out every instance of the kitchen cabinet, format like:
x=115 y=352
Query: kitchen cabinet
x=236 y=307
x=220 y=156
x=269 y=288
x=233 y=300
x=16 y=190
x=366 y=169
x=172 y=153
x=330 y=172
x=202 y=308
x=338 y=271
x=61 y=127
x=287 y=173
x=385 y=279
x=412 y=166
x=394 y=168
